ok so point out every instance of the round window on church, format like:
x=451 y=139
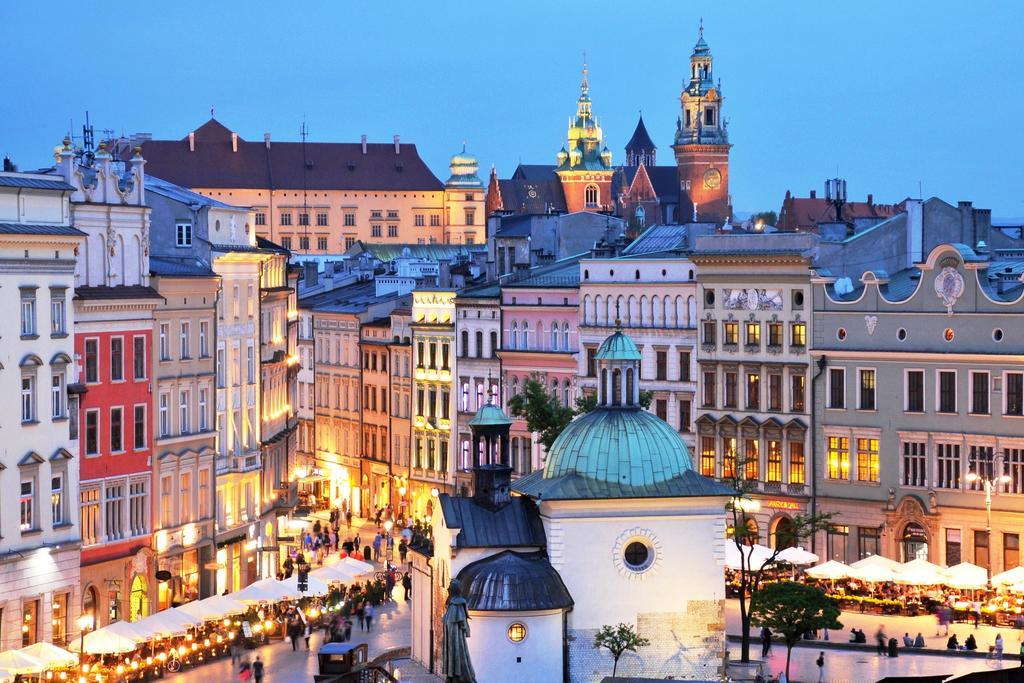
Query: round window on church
x=637 y=556
x=516 y=632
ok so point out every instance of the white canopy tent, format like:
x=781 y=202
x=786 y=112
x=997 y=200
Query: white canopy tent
x=1009 y=577
x=360 y=566
x=213 y=608
x=17 y=662
x=50 y=655
x=875 y=569
x=113 y=639
x=169 y=622
x=336 y=572
x=753 y=556
x=828 y=570
x=797 y=556
x=921 y=573
x=291 y=588
x=265 y=590
x=877 y=561
x=966 y=576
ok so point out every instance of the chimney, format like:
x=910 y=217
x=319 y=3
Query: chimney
x=871 y=199
x=310 y=273
x=814 y=194
x=266 y=140
x=915 y=231
x=966 y=222
x=444 y=273
x=192 y=141
x=234 y=142
x=982 y=224
x=398 y=146
x=364 y=144
x=9 y=166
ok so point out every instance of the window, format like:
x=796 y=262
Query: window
x=321 y=219
x=684 y=416
x=116 y=359
x=729 y=457
x=139 y=427
x=27 y=505
x=184 y=397
x=57 y=499
x=947 y=391
x=90 y=516
x=57 y=395
x=591 y=196
x=250 y=365
x=730 y=333
x=980 y=460
x=947 y=456
x=661 y=365
x=1014 y=388
x=204 y=493
x=58 y=317
x=869 y=541
x=392 y=231
x=796 y=462
x=165 y=341
x=286 y=242
x=914 y=464
x=204 y=339
x=184 y=338
x=637 y=556
x=708 y=332
x=165 y=414
x=709 y=116
x=753 y=334
x=28 y=312
x=60 y=618
x=774 y=473
x=204 y=420
x=185 y=497
x=435 y=221
x=774 y=335
x=798 y=334
x=1015 y=469
x=116 y=430
x=286 y=218
x=707 y=456
x=953 y=547
x=1011 y=551
x=709 y=389
x=867 y=459
x=836 y=388
x=470 y=216
x=981 y=554
x=753 y=391
x=392 y=215
x=838 y=457
x=730 y=390
x=915 y=391
x=836 y=542
x=661 y=409
x=797 y=385
x=138 y=357
x=375 y=231
x=979 y=393
x=349 y=220
x=866 y=389
x=684 y=366
x=183 y=234
x=261 y=218
x=138 y=518
x=349 y=241
x=774 y=391
x=92 y=361
x=92 y=432
x=221 y=369
x=28 y=399
x=113 y=504
x=321 y=243
x=751 y=459
x=304 y=243
x=418 y=220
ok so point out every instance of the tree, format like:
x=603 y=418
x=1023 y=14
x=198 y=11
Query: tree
x=741 y=533
x=543 y=412
x=765 y=217
x=619 y=639
x=793 y=609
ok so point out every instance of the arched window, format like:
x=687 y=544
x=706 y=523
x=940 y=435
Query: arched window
x=479 y=344
x=513 y=337
x=566 y=393
x=565 y=336
x=602 y=394
x=464 y=347
x=914 y=542
x=591 y=196
x=641 y=216
x=526 y=336
x=494 y=344
x=515 y=386
x=616 y=387
x=554 y=336
x=783 y=536
x=586 y=309
x=691 y=312
x=629 y=386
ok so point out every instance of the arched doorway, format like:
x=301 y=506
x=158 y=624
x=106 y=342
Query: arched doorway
x=138 y=603
x=783 y=534
x=90 y=601
x=914 y=543
x=751 y=536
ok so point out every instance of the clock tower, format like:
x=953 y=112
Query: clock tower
x=702 y=143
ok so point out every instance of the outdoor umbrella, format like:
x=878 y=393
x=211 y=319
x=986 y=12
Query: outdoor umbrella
x=314 y=587
x=359 y=565
x=966 y=576
x=265 y=590
x=335 y=572
x=50 y=655
x=797 y=556
x=872 y=573
x=1009 y=577
x=753 y=556
x=213 y=608
x=828 y=570
x=921 y=573
x=6 y=676
x=113 y=639
x=17 y=662
x=170 y=622
x=877 y=561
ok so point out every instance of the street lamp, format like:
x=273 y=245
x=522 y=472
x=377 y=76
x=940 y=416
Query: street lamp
x=995 y=463
x=85 y=623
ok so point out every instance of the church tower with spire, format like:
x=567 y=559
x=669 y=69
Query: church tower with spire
x=702 y=142
x=584 y=166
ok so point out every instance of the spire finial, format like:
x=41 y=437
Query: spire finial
x=701 y=27
x=618 y=320
x=585 y=87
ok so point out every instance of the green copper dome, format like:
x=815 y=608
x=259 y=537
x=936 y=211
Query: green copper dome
x=490 y=415
x=626 y=447
x=618 y=347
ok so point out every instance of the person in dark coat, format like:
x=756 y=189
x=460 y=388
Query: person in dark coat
x=766 y=641
x=407 y=585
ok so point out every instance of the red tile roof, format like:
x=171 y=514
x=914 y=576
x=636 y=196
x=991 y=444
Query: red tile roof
x=805 y=213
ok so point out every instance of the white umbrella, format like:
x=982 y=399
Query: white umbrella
x=50 y=655
x=314 y=587
x=213 y=608
x=797 y=556
x=335 y=572
x=966 y=576
x=6 y=676
x=875 y=573
x=113 y=639
x=17 y=662
x=754 y=556
x=828 y=570
x=921 y=573
x=359 y=565
x=877 y=561
x=1009 y=577
x=265 y=590
x=170 y=622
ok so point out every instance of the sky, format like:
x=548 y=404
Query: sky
x=898 y=98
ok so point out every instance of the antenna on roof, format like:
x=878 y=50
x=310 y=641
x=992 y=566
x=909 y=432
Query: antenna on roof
x=304 y=216
x=88 y=155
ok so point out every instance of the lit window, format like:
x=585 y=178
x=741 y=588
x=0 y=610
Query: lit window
x=517 y=632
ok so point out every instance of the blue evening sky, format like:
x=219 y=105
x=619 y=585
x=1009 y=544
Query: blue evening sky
x=888 y=93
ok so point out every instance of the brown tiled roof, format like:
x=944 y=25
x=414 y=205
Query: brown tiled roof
x=804 y=213
x=331 y=165
x=114 y=293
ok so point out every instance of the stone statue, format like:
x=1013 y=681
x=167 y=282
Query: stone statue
x=456 y=666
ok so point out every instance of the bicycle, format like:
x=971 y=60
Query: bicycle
x=994 y=658
x=173 y=664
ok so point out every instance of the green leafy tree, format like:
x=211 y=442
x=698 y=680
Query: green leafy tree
x=744 y=535
x=619 y=639
x=766 y=217
x=792 y=609
x=544 y=413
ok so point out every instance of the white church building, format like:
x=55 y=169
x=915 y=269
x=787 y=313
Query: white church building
x=617 y=527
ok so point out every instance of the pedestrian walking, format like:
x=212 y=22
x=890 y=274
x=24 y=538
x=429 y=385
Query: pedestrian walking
x=820 y=661
x=376 y=548
x=880 y=640
x=361 y=615
x=348 y=630
x=766 y=641
x=348 y=519
x=407 y=585
x=368 y=613
x=976 y=612
x=257 y=670
x=403 y=550
x=999 y=647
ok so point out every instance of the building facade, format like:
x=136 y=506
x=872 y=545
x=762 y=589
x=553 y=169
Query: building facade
x=40 y=586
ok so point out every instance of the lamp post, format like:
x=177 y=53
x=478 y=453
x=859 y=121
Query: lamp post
x=84 y=624
x=995 y=463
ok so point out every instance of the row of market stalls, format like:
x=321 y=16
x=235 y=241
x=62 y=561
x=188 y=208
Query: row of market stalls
x=198 y=630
